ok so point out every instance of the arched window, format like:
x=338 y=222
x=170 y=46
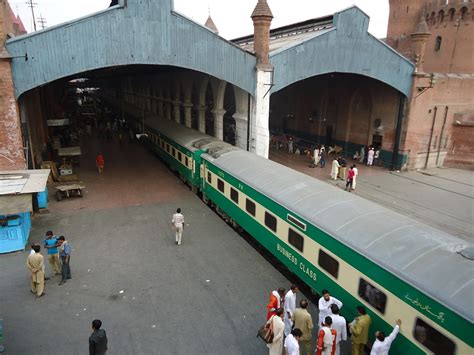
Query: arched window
x=451 y=14
x=441 y=16
x=433 y=18
x=463 y=13
x=438 y=43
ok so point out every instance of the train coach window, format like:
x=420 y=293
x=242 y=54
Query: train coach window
x=295 y=239
x=186 y=161
x=271 y=221
x=250 y=207
x=234 y=195
x=373 y=295
x=209 y=177
x=433 y=339
x=167 y=148
x=173 y=151
x=328 y=263
x=179 y=156
x=220 y=185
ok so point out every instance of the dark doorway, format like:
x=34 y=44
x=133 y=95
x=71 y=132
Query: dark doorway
x=377 y=141
x=328 y=139
x=229 y=129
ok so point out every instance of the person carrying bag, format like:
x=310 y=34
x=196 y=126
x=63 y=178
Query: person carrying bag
x=272 y=333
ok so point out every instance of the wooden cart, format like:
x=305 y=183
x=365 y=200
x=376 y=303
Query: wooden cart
x=68 y=191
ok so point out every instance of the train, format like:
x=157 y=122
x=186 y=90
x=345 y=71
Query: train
x=364 y=253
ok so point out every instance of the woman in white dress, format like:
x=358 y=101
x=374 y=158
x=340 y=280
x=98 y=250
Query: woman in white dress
x=276 y=347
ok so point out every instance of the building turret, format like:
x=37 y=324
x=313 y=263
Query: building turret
x=418 y=40
x=262 y=18
x=211 y=25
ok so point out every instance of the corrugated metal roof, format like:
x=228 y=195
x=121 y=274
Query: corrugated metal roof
x=417 y=253
x=145 y=32
x=23 y=181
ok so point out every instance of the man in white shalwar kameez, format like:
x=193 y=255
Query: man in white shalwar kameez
x=356 y=172
x=316 y=156
x=334 y=169
x=340 y=325
x=290 y=306
x=324 y=306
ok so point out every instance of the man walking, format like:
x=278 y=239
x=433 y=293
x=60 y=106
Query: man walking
x=324 y=305
x=334 y=169
x=290 y=306
x=177 y=223
x=382 y=344
x=98 y=339
x=339 y=325
x=65 y=255
x=304 y=322
x=359 y=329
x=51 y=245
x=35 y=263
x=350 y=179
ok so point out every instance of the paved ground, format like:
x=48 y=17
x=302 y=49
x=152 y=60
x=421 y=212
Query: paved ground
x=206 y=297
x=443 y=198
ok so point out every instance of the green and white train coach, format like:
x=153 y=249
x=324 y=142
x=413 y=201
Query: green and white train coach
x=364 y=253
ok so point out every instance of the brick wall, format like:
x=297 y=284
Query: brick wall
x=11 y=143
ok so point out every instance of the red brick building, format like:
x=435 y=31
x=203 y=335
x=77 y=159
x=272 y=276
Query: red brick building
x=11 y=143
x=439 y=37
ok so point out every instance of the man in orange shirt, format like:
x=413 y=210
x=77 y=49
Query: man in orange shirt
x=326 y=344
x=275 y=302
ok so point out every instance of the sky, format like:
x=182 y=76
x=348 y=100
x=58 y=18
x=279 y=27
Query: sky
x=232 y=17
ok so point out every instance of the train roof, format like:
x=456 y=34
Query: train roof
x=180 y=134
x=423 y=256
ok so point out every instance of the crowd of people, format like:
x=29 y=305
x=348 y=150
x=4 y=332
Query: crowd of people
x=292 y=327
x=59 y=255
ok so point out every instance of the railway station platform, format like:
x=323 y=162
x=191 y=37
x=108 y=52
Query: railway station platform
x=440 y=197
x=207 y=296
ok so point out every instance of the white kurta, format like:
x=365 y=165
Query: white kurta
x=291 y=345
x=382 y=347
x=339 y=324
x=370 y=157
x=316 y=156
x=290 y=306
x=334 y=169
x=356 y=172
x=324 y=308
x=276 y=347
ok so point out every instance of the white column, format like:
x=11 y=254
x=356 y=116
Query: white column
x=241 y=122
x=219 y=123
x=202 y=119
x=260 y=135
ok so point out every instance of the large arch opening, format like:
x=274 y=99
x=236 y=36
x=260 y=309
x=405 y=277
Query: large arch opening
x=345 y=111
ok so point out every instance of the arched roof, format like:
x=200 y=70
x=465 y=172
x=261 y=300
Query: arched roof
x=140 y=32
x=344 y=47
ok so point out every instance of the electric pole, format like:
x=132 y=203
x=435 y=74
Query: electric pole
x=32 y=5
x=42 y=22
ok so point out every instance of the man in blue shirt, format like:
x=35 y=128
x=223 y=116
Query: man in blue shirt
x=51 y=244
x=65 y=255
